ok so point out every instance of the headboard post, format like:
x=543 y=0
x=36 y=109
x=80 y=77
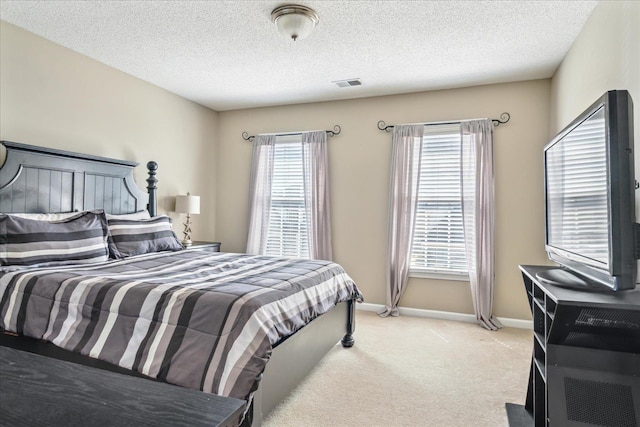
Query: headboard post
x=152 y=187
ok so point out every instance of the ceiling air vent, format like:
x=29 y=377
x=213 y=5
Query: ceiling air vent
x=348 y=82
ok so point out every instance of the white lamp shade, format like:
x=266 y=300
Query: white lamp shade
x=295 y=25
x=188 y=204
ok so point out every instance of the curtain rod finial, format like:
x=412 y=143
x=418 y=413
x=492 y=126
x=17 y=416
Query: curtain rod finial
x=383 y=126
x=336 y=131
x=504 y=118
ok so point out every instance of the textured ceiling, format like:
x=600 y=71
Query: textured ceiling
x=228 y=55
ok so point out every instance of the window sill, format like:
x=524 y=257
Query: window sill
x=456 y=277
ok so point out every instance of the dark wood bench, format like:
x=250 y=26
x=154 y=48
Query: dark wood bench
x=40 y=391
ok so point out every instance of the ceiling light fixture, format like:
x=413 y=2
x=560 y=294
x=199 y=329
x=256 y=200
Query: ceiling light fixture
x=294 y=20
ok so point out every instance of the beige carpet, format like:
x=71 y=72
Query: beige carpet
x=411 y=371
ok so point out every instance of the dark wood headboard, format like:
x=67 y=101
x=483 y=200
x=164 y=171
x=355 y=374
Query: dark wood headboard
x=44 y=180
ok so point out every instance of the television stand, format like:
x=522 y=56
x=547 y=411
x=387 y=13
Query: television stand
x=585 y=368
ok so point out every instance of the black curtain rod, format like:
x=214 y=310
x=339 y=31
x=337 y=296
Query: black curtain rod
x=496 y=122
x=336 y=131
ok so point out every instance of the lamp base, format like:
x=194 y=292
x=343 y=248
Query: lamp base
x=186 y=242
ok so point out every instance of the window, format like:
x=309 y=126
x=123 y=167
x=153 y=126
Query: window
x=288 y=218
x=289 y=196
x=438 y=238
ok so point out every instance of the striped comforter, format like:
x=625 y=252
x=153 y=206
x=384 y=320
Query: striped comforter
x=203 y=320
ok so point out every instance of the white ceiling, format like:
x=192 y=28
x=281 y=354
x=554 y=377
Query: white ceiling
x=228 y=55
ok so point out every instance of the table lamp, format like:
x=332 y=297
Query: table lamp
x=189 y=205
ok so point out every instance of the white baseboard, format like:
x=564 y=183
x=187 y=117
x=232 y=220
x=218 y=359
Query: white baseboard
x=446 y=315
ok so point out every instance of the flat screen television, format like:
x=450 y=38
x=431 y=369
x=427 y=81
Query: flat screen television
x=589 y=199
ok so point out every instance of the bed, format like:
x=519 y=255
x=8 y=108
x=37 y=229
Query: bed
x=230 y=324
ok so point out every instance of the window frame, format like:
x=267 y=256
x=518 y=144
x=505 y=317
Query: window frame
x=283 y=140
x=437 y=273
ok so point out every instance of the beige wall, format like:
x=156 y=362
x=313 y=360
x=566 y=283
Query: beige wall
x=54 y=97
x=605 y=56
x=359 y=180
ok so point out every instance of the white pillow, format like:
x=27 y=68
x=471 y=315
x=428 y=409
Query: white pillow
x=45 y=216
x=60 y=216
x=136 y=215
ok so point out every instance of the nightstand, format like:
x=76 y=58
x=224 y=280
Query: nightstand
x=206 y=246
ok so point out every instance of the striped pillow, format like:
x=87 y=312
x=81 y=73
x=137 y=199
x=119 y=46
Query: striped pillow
x=134 y=237
x=79 y=239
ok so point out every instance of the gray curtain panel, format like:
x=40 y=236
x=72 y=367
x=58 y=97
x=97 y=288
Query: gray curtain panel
x=260 y=192
x=317 y=195
x=478 y=215
x=405 y=171
x=316 y=189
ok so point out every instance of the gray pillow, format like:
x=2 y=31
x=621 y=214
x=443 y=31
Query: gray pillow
x=79 y=239
x=134 y=237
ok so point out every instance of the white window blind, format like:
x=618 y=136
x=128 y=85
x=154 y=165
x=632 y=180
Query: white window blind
x=577 y=210
x=288 y=235
x=438 y=239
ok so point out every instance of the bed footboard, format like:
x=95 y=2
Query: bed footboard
x=294 y=358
